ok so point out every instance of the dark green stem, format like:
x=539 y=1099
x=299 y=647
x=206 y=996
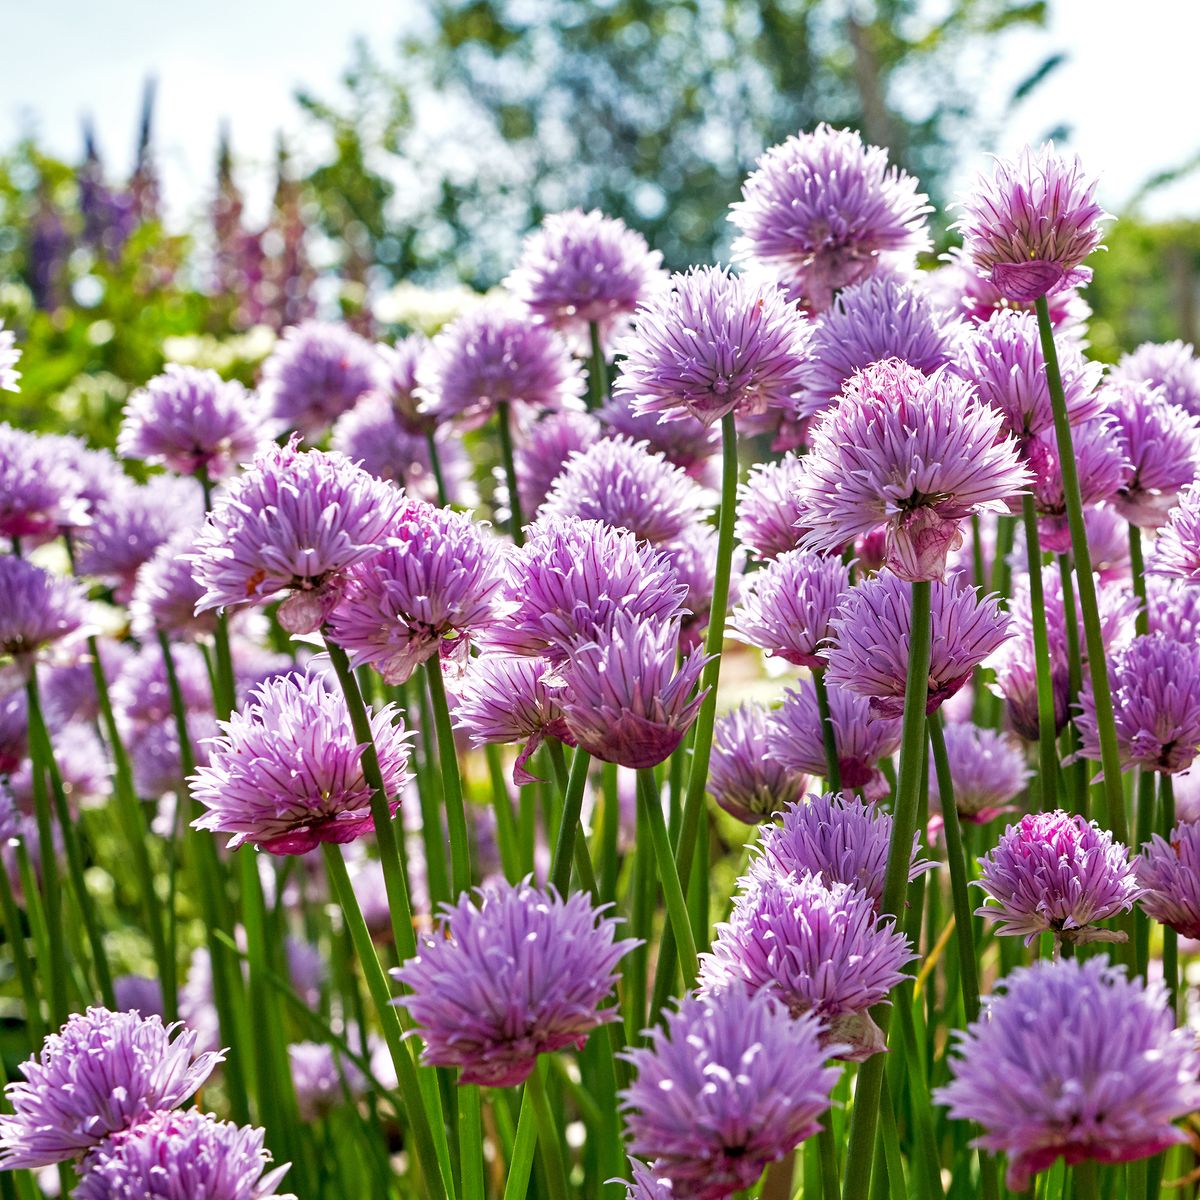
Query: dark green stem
x=456 y=812
x=568 y=827
x=435 y=462
x=597 y=369
x=516 y=520
x=828 y=732
x=549 y=1133
x=1047 y=750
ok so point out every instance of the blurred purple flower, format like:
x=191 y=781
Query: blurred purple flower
x=744 y=777
x=141 y=692
x=323 y=1079
x=165 y=593
x=398 y=387
x=1169 y=874
x=1172 y=366
x=543 y=450
x=140 y=993
x=37 y=609
x=986 y=769
x=691 y=445
x=39 y=488
x=767 y=514
x=693 y=558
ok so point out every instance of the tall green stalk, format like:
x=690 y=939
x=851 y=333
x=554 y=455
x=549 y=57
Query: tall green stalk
x=516 y=519
x=452 y=793
x=833 y=770
x=1048 y=772
x=597 y=368
x=435 y=462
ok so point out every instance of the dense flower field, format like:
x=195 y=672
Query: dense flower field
x=676 y=736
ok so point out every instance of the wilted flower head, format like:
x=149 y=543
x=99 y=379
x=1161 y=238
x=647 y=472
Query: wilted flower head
x=435 y=582
x=767 y=513
x=9 y=357
x=713 y=344
x=873 y=628
x=988 y=771
x=1054 y=872
x=323 y=1079
x=822 y=211
x=916 y=453
x=182 y=1155
x=286 y=773
x=292 y=523
x=691 y=445
x=730 y=1083
x=1072 y=1059
x=544 y=448
x=39 y=488
x=97 y=1076
x=1171 y=366
x=880 y=319
x=37 y=609
x=624 y=700
x=317 y=371
x=1169 y=874
x=1030 y=227
x=513 y=973
x=744 y=777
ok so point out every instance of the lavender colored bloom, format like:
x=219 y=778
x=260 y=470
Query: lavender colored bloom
x=1173 y=608
x=1177 y=547
x=691 y=445
x=821 y=211
x=515 y=972
x=98 y=473
x=182 y=1156
x=646 y=1185
x=714 y=344
x=728 y=1084
x=1030 y=227
x=39 y=488
x=491 y=356
x=579 y=268
x=1072 y=1059
x=316 y=372
x=1172 y=366
x=767 y=513
x=916 y=453
x=399 y=386
x=165 y=593
x=571 y=578
x=986 y=769
x=744 y=777
x=434 y=584
x=286 y=774
x=37 y=609
x=624 y=701
x=544 y=449
x=1169 y=874
x=626 y=486
x=1055 y=872
x=872 y=631
x=292 y=523
x=877 y=320
x=323 y=1079
x=9 y=357
x=95 y=1077
x=693 y=559
x=787 y=606
x=140 y=993
x=155 y=755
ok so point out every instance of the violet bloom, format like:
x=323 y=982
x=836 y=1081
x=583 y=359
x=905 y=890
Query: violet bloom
x=744 y=777
x=1054 y=872
x=9 y=357
x=787 y=606
x=1156 y=703
x=323 y=1079
x=839 y=839
x=821 y=211
x=1177 y=547
x=1030 y=227
x=646 y=1185
x=491 y=356
x=693 y=558
x=292 y=523
x=37 y=609
x=712 y=345
x=570 y=579
x=1173 y=607
x=544 y=448
x=767 y=513
x=1169 y=874
x=513 y=973
x=624 y=700
x=1071 y=1059
x=434 y=583
x=182 y=1155
x=869 y=655
x=625 y=485
x=579 y=269
x=1171 y=366
x=399 y=384
x=691 y=445
x=141 y=692
x=39 y=487
x=286 y=773
x=916 y=453
x=988 y=771
x=97 y=1076
x=729 y=1084
x=165 y=593
x=317 y=371
x=193 y=422
x=880 y=319
x=139 y=993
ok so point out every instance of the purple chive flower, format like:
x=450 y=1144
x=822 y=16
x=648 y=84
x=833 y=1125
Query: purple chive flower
x=787 y=606
x=1071 y=1059
x=646 y=1185
x=714 y=344
x=193 y=422
x=744 y=777
x=729 y=1084
x=571 y=578
x=624 y=701
x=693 y=558
x=1177 y=547
x=877 y=320
x=39 y=487
x=513 y=973
x=836 y=838
x=1169 y=874
x=988 y=771
x=691 y=445
x=1030 y=227
x=9 y=357
x=1173 y=608
x=165 y=593
x=767 y=514
x=491 y=356
x=1156 y=702
x=815 y=947
x=37 y=609
x=292 y=523
x=286 y=773
x=544 y=449
x=323 y=1079
x=182 y=1155
x=141 y=693
x=871 y=638
x=317 y=371
x=97 y=1076
x=916 y=453
x=139 y=993
x=1003 y=359
x=399 y=385
x=625 y=485
x=579 y=268
x=1054 y=872
x=1172 y=366
x=821 y=212
x=155 y=756
x=435 y=583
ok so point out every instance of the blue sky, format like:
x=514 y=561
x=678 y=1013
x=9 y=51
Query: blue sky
x=1127 y=90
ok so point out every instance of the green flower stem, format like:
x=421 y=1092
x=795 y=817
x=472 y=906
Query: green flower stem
x=828 y=733
x=452 y=793
x=435 y=461
x=516 y=1186
x=470 y=1127
x=568 y=828
x=516 y=520
x=21 y=960
x=610 y=833
x=1170 y=956
x=39 y=929
x=1093 y=639
x=634 y=980
x=1144 y=815
x=1048 y=773
x=904 y=819
x=830 y=1175
x=506 y=828
x=1085 y=1174
x=1137 y=569
x=1076 y=774
x=429 y=794
x=597 y=369
x=549 y=1133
